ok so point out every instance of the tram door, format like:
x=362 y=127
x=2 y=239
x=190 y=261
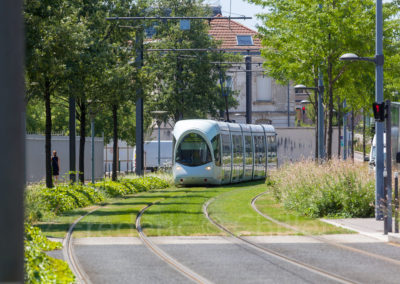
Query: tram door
x=226 y=157
x=259 y=156
x=272 y=152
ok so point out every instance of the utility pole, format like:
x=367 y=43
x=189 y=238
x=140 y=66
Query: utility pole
x=321 y=148
x=139 y=108
x=248 y=90
x=72 y=138
x=344 y=130
x=12 y=142
x=288 y=104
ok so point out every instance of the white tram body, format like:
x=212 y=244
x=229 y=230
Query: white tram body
x=214 y=152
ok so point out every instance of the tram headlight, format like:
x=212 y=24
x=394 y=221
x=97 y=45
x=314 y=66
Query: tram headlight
x=208 y=168
x=178 y=168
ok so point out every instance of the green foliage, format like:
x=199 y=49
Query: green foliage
x=66 y=197
x=42 y=202
x=39 y=267
x=333 y=189
x=131 y=185
x=186 y=85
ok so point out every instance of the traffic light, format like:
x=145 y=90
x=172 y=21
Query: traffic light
x=379 y=111
x=304 y=109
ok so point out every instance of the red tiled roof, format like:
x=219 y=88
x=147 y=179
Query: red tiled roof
x=226 y=31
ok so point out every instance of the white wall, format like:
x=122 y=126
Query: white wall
x=35 y=156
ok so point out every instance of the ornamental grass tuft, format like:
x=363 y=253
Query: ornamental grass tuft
x=333 y=189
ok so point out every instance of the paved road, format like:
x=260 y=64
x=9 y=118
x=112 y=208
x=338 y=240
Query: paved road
x=221 y=260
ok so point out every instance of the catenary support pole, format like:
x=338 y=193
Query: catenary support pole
x=321 y=148
x=92 y=132
x=379 y=168
x=396 y=202
x=288 y=104
x=388 y=197
x=345 y=146
x=12 y=142
x=159 y=143
x=139 y=108
x=248 y=90
x=72 y=138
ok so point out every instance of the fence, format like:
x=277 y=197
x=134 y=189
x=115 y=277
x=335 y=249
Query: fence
x=35 y=156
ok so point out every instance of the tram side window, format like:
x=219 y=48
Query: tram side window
x=272 y=151
x=216 y=144
x=226 y=147
x=249 y=151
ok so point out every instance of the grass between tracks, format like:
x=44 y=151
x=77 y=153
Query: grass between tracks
x=179 y=212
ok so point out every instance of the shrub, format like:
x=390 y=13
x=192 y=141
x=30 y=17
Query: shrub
x=336 y=188
x=66 y=197
x=39 y=267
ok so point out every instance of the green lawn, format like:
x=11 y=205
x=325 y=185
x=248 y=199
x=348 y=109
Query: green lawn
x=267 y=205
x=178 y=212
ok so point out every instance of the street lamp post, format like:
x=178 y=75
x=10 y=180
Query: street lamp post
x=320 y=115
x=160 y=116
x=379 y=61
x=92 y=115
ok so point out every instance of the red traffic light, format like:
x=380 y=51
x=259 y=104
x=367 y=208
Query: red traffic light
x=379 y=111
x=304 y=108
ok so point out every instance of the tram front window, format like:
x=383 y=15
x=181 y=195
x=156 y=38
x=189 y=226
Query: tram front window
x=193 y=151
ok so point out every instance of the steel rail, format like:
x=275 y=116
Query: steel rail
x=69 y=255
x=332 y=243
x=276 y=254
x=190 y=274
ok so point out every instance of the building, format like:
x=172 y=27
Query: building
x=270 y=101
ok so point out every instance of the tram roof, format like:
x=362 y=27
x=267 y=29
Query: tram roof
x=211 y=126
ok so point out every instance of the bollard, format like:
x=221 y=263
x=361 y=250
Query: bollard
x=396 y=202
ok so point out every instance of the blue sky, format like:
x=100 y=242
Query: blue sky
x=242 y=7
x=239 y=7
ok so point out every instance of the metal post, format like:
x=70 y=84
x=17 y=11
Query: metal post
x=396 y=202
x=248 y=90
x=159 y=143
x=388 y=197
x=139 y=108
x=344 y=130
x=321 y=148
x=92 y=130
x=72 y=139
x=379 y=98
x=12 y=142
x=288 y=104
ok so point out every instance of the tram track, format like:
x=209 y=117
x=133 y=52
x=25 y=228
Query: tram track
x=184 y=270
x=275 y=254
x=320 y=239
x=69 y=255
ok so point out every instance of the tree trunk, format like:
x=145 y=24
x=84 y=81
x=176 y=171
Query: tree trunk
x=82 y=139
x=115 y=140
x=339 y=127
x=49 y=180
x=330 y=112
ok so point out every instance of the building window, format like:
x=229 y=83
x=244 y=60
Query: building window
x=264 y=88
x=244 y=40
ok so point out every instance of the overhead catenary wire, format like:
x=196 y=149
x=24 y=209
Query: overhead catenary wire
x=176 y=18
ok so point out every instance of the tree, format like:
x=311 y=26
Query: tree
x=185 y=84
x=302 y=37
x=53 y=39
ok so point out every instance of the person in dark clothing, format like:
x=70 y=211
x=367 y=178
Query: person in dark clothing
x=55 y=165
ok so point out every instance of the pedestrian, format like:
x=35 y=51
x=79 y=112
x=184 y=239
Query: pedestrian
x=55 y=165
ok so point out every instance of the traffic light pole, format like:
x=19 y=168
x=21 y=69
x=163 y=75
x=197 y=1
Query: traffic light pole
x=379 y=168
x=321 y=148
x=344 y=130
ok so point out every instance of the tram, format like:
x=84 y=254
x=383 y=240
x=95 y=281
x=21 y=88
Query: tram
x=214 y=152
